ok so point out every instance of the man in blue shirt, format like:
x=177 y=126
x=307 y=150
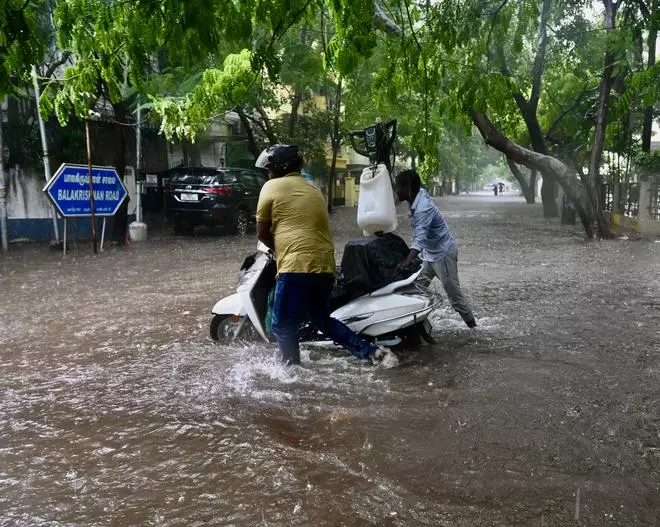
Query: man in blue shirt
x=432 y=239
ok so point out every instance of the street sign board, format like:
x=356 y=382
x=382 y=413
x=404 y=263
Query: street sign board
x=68 y=189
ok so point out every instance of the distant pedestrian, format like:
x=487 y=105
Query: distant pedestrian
x=495 y=189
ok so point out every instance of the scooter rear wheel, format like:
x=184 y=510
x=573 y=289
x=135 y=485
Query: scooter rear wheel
x=223 y=328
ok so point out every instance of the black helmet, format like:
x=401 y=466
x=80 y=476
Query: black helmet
x=281 y=159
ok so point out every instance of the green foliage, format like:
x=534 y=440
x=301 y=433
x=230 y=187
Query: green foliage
x=645 y=85
x=355 y=35
x=22 y=40
x=197 y=59
x=648 y=164
x=95 y=31
x=218 y=91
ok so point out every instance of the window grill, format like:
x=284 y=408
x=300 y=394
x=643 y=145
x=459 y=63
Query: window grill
x=628 y=199
x=654 y=205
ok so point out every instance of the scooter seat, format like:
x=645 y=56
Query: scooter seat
x=390 y=288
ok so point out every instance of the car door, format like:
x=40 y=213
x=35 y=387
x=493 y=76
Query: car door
x=252 y=188
x=260 y=179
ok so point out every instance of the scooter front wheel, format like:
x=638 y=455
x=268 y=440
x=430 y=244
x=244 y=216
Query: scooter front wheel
x=223 y=329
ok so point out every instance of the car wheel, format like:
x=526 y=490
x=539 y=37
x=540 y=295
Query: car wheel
x=183 y=228
x=241 y=223
x=223 y=328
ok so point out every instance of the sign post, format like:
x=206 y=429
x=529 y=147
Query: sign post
x=79 y=191
x=91 y=184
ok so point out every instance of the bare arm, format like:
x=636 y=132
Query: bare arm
x=264 y=234
x=411 y=256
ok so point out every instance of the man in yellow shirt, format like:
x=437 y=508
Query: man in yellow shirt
x=292 y=219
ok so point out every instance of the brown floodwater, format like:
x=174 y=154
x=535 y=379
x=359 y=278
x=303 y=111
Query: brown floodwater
x=117 y=409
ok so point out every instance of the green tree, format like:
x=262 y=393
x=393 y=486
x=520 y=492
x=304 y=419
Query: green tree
x=23 y=39
x=466 y=30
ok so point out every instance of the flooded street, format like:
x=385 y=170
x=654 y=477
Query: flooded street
x=117 y=409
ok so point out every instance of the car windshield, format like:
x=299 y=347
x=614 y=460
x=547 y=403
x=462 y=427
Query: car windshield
x=230 y=176
x=195 y=178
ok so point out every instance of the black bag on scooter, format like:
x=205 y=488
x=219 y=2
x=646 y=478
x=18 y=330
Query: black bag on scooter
x=370 y=263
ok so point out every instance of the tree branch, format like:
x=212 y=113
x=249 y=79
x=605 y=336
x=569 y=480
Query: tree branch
x=54 y=65
x=566 y=111
x=261 y=125
x=539 y=59
x=492 y=25
x=522 y=103
x=526 y=186
x=385 y=23
x=545 y=164
x=252 y=141
x=426 y=74
x=266 y=125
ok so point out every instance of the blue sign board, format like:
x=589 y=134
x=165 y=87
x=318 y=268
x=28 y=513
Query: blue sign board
x=69 y=191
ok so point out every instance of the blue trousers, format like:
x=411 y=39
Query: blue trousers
x=301 y=296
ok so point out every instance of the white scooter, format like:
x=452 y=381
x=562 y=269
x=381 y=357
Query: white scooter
x=385 y=316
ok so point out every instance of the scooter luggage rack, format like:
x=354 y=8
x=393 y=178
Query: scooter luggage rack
x=428 y=291
x=417 y=287
x=376 y=143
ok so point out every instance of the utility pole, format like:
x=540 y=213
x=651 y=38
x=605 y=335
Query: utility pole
x=3 y=184
x=44 y=147
x=137 y=229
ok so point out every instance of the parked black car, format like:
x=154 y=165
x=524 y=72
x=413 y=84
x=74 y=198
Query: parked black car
x=225 y=197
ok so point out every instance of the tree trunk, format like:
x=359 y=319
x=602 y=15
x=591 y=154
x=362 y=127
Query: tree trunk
x=120 y=230
x=293 y=118
x=184 y=151
x=533 y=160
x=529 y=109
x=335 y=141
x=549 y=184
x=253 y=145
x=647 y=127
x=297 y=95
x=3 y=182
x=549 y=196
x=331 y=181
x=594 y=180
x=385 y=23
x=527 y=188
x=266 y=125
